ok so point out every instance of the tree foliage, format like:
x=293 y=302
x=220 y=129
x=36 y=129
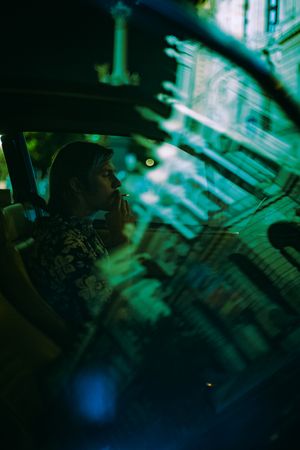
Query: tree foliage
x=42 y=146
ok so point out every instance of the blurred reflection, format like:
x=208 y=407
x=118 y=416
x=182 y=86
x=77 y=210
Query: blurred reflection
x=93 y=397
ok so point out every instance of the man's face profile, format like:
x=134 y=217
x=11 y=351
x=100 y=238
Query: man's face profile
x=103 y=185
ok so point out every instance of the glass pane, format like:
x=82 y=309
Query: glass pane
x=206 y=307
x=273 y=17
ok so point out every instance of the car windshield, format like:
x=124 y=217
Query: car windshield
x=207 y=295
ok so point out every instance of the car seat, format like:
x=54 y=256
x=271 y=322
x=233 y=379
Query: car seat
x=15 y=242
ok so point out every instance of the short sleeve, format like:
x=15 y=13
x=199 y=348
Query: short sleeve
x=83 y=280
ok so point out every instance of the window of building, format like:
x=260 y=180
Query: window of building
x=272 y=15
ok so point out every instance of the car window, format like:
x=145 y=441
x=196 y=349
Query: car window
x=218 y=253
x=4 y=175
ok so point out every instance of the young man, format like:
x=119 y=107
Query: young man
x=63 y=265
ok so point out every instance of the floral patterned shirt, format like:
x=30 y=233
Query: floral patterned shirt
x=63 y=267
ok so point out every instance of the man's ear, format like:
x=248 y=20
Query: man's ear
x=76 y=185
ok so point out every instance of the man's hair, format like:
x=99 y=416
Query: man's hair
x=76 y=159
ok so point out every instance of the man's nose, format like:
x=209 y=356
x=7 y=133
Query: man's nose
x=116 y=182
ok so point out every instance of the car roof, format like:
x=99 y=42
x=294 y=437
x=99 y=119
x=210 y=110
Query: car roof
x=77 y=108
x=48 y=77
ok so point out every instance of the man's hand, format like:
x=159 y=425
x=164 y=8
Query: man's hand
x=116 y=219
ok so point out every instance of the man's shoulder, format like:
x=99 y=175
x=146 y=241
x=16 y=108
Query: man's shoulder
x=68 y=235
x=57 y=228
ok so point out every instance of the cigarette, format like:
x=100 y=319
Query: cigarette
x=125 y=195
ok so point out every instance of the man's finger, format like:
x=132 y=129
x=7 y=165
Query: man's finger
x=117 y=201
x=128 y=212
x=123 y=207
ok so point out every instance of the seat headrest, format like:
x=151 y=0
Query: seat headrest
x=14 y=223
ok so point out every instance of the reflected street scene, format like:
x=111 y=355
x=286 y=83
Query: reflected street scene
x=198 y=345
